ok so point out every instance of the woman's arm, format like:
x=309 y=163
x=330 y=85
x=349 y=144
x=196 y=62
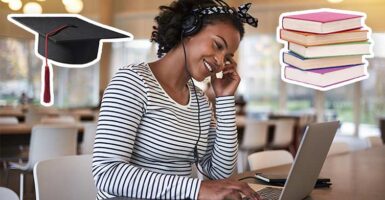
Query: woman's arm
x=221 y=155
x=123 y=106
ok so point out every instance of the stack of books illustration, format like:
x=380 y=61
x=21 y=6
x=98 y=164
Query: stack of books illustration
x=325 y=48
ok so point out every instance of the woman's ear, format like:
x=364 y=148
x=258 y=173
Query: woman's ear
x=187 y=39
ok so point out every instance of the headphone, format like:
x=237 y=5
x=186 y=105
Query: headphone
x=191 y=24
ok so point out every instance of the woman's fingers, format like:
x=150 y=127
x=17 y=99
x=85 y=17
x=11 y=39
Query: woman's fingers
x=234 y=195
x=230 y=61
x=245 y=189
x=226 y=189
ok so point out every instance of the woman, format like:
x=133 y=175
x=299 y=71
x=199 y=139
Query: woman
x=154 y=123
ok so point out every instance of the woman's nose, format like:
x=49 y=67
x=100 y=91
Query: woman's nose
x=219 y=60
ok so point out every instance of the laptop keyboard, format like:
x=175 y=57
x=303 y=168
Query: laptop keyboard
x=269 y=193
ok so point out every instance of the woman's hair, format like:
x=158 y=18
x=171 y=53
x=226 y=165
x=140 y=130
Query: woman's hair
x=168 y=32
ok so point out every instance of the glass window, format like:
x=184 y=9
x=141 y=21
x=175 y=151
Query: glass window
x=135 y=51
x=260 y=71
x=15 y=76
x=299 y=98
x=76 y=87
x=20 y=72
x=340 y=101
x=339 y=104
x=373 y=89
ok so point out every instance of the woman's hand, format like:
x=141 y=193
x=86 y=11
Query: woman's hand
x=225 y=189
x=229 y=82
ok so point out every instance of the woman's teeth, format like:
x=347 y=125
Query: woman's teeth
x=208 y=66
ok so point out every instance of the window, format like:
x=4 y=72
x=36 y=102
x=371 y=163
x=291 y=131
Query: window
x=15 y=74
x=260 y=71
x=261 y=83
x=21 y=72
x=299 y=98
x=135 y=51
x=373 y=89
x=339 y=103
x=76 y=87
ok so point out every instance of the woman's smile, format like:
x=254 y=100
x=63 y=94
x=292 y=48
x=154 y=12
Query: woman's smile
x=211 y=68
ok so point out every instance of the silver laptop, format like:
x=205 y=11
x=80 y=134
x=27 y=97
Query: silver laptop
x=307 y=164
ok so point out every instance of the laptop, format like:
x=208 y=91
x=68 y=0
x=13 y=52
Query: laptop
x=307 y=164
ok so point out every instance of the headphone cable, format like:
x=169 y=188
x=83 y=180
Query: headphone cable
x=196 y=154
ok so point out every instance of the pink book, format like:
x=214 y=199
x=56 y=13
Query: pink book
x=322 y=22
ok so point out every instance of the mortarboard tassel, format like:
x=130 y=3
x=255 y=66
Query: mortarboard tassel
x=47 y=80
x=47 y=88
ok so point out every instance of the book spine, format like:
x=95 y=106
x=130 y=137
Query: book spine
x=283 y=57
x=283 y=25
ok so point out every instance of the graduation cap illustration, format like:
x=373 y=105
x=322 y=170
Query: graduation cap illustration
x=66 y=40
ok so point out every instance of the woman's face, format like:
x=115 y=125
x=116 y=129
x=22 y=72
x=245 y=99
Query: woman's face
x=210 y=48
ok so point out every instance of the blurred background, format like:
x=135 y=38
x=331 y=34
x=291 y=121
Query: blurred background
x=261 y=93
x=263 y=100
x=358 y=106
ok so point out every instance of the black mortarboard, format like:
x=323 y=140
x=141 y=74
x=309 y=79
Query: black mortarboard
x=66 y=40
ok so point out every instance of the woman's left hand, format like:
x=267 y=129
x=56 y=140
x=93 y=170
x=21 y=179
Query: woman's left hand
x=228 y=84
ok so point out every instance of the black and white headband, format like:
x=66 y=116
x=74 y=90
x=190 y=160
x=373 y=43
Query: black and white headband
x=241 y=13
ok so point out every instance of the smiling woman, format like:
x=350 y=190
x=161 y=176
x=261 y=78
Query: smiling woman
x=154 y=124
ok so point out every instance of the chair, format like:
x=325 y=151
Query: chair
x=8 y=120
x=283 y=134
x=75 y=180
x=254 y=139
x=64 y=119
x=83 y=114
x=374 y=141
x=10 y=153
x=87 y=145
x=338 y=148
x=271 y=158
x=33 y=116
x=47 y=142
x=7 y=194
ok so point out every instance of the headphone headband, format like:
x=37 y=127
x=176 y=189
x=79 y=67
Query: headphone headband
x=241 y=13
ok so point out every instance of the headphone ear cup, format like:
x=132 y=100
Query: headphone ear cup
x=191 y=25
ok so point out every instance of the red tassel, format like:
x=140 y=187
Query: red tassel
x=47 y=87
x=47 y=82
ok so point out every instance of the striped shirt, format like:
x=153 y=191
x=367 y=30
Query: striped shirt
x=145 y=140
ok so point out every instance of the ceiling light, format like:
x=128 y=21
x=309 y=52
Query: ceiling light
x=66 y=2
x=15 y=5
x=335 y=1
x=73 y=6
x=32 y=8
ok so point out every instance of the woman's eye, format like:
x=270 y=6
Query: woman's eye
x=218 y=46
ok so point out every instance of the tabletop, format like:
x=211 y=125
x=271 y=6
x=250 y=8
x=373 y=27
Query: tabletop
x=356 y=175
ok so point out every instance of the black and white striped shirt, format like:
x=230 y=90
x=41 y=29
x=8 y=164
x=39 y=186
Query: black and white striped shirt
x=144 y=141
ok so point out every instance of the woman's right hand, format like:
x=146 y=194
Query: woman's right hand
x=225 y=189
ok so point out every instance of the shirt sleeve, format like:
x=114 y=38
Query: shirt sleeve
x=221 y=155
x=123 y=106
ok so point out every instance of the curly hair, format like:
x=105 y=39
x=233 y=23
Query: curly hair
x=168 y=31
